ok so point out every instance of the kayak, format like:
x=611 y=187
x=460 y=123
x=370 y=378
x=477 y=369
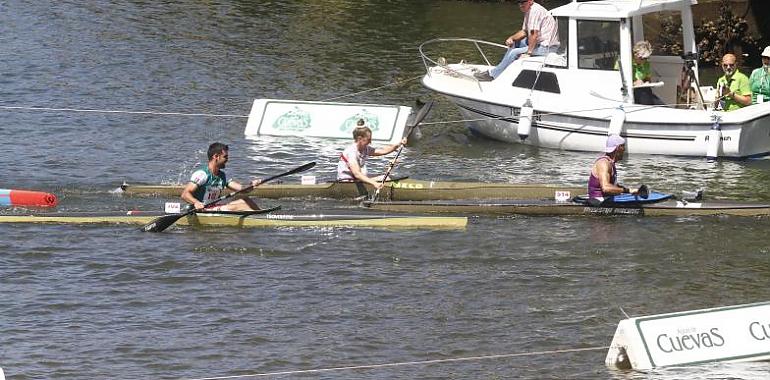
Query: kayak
x=265 y=218
x=668 y=206
x=12 y=197
x=397 y=190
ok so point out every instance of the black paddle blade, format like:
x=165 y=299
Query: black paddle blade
x=160 y=224
x=643 y=192
x=421 y=113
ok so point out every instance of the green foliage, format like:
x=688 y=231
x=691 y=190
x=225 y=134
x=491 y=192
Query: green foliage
x=726 y=34
x=670 y=36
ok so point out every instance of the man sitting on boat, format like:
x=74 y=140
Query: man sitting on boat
x=538 y=36
x=602 y=183
x=352 y=164
x=209 y=183
x=733 y=87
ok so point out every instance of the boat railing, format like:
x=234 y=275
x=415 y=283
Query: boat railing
x=429 y=62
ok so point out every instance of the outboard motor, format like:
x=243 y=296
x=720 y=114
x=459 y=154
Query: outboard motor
x=525 y=120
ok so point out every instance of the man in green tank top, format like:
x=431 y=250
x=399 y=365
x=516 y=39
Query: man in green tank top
x=210 y=181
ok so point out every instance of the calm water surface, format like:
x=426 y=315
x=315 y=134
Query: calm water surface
x=88 y=302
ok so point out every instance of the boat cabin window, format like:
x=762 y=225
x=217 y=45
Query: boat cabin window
x=669 y=39
x=598 y=44
x=545 y=82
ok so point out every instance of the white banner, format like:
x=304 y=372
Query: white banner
x=325 y=119
x=723 y=334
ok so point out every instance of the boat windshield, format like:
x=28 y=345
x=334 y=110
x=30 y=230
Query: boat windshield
x=598 y=44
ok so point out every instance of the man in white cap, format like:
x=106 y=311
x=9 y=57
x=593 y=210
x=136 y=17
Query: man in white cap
x=602 y=184
x=760 y=80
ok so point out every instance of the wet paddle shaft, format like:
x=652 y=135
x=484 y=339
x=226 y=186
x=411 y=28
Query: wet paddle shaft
x=417 y=120
x=163 y=222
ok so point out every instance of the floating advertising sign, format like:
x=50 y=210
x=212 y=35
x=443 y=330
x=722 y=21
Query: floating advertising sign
x=731 y=333
x=326 y=119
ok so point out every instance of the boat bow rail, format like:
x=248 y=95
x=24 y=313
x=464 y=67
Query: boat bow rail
x=441 y=60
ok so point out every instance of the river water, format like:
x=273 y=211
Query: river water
x=87 y=302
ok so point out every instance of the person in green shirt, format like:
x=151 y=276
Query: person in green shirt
x=760 y=80
x=643 y=75
x=733 y=87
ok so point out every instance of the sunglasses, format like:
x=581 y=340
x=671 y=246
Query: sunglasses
x=728 y=65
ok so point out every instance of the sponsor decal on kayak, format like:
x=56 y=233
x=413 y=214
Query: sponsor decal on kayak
x=612 y=211
x=279 y=216
x=399 y=185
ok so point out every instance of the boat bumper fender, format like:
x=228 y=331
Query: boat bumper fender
x=616 y=121
x=713 y=141
x=525 y=120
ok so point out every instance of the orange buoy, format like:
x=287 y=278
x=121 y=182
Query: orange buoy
x=11 y=197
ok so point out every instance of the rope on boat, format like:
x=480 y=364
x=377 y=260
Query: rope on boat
x=116 y=111
x=401 y=364
x=373 y=89
x=569 y=112
x=51 y=109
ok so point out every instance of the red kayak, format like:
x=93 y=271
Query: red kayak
x=11 y=197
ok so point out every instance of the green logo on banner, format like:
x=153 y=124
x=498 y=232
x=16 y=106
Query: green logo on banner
x=294 y=120
x=370 y=120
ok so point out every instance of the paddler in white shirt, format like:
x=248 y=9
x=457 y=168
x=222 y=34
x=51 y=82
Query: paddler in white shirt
x=209 y=183
x=352 y=164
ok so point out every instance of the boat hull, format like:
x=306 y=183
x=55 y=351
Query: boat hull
x=553 y=208
x=402 y=190
x=687 y=132
x=266 y=220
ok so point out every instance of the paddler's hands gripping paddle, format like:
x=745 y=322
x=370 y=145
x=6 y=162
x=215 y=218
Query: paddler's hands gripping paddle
x=165 y=221
x=417 y=120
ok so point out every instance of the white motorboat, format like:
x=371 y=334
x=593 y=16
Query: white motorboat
x=574 y=98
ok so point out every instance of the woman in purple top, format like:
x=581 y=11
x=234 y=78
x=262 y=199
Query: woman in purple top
x=603 y=180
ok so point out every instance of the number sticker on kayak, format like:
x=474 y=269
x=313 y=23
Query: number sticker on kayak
x=562 y=196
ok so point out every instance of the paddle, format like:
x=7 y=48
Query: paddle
x=417 y=120
x=165 y=221
x=643 y=192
